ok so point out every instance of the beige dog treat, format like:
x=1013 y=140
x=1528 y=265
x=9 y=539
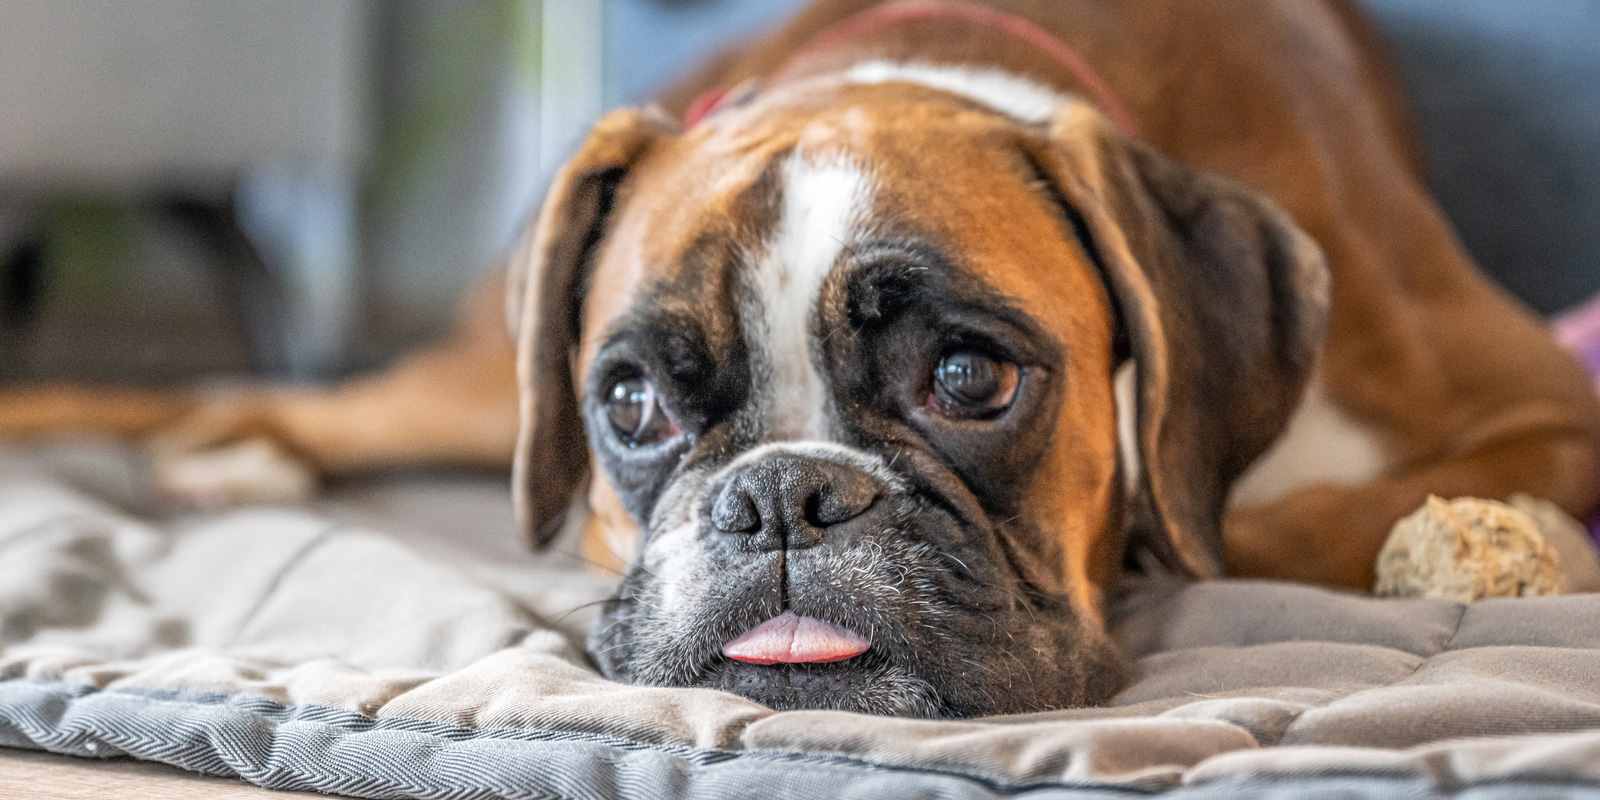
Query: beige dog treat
x=1466 y=550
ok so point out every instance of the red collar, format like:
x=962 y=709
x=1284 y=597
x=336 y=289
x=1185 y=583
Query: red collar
x=970 y=13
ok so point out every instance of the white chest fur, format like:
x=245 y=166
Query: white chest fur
x=1321 y=444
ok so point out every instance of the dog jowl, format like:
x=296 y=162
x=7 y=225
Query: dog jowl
x=842 y=361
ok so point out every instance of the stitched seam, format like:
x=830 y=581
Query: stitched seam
x=1422 y=659
x=1444 y=648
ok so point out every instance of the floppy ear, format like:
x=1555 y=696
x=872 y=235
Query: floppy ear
x=549 y=277
x=1223 y=304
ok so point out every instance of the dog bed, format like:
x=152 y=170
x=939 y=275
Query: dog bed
x=397 y=643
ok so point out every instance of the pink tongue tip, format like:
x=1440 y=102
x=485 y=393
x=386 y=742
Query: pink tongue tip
x=792 y=639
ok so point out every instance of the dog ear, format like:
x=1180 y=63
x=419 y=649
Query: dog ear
x=1222 y=303
x=546 y=287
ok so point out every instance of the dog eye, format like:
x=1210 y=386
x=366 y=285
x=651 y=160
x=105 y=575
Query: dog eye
x=969 y=383
x=635 y=413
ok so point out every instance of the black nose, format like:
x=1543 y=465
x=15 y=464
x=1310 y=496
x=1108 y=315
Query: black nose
x=789 y=501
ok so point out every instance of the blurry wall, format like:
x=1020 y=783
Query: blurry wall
x=125 y=130
x=456 y=157
x=650 y=43
x=1508 y=96
x=112 y=93
x=379 y=154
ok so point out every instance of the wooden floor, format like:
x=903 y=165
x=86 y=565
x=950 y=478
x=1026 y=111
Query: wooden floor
x=26 y=775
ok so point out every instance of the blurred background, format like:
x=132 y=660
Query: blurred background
x=303 y=188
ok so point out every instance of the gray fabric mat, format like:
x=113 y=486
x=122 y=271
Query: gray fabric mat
x=347 y=649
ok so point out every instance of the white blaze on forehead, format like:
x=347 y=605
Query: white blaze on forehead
x=824 y=204
x=1016 y=97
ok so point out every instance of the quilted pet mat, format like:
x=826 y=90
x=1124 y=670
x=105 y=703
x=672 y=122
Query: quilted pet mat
x=339 y=649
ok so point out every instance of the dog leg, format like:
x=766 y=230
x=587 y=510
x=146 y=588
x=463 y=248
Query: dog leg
x=125 y=412
x=1331 y=534
x=453 y=403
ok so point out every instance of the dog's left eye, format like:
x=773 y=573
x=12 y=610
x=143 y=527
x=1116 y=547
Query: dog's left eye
x=635 y=413
x=969 y=383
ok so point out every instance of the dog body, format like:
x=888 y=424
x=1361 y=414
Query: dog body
x=910 y=341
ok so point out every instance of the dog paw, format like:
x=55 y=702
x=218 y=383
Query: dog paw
x=1467 y=550
x=255 y=471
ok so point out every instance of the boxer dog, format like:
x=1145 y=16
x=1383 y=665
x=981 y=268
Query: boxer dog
x=883 y=346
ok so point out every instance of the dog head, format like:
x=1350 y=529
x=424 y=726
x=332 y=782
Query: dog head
x=839 y=365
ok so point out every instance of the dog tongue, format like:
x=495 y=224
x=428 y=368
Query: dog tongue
x=792 y=639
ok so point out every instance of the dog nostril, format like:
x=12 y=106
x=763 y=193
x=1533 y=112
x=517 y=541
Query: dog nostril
x=840 y=500
x=735 y=512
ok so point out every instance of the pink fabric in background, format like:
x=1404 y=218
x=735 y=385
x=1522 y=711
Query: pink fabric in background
x=1579 y=331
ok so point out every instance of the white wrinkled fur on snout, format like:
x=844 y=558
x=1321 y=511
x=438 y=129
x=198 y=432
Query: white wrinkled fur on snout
x=824 y=204
x=675 y=556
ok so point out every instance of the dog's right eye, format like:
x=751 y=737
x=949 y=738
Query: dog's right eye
x=970 y=384
x=635 y=413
